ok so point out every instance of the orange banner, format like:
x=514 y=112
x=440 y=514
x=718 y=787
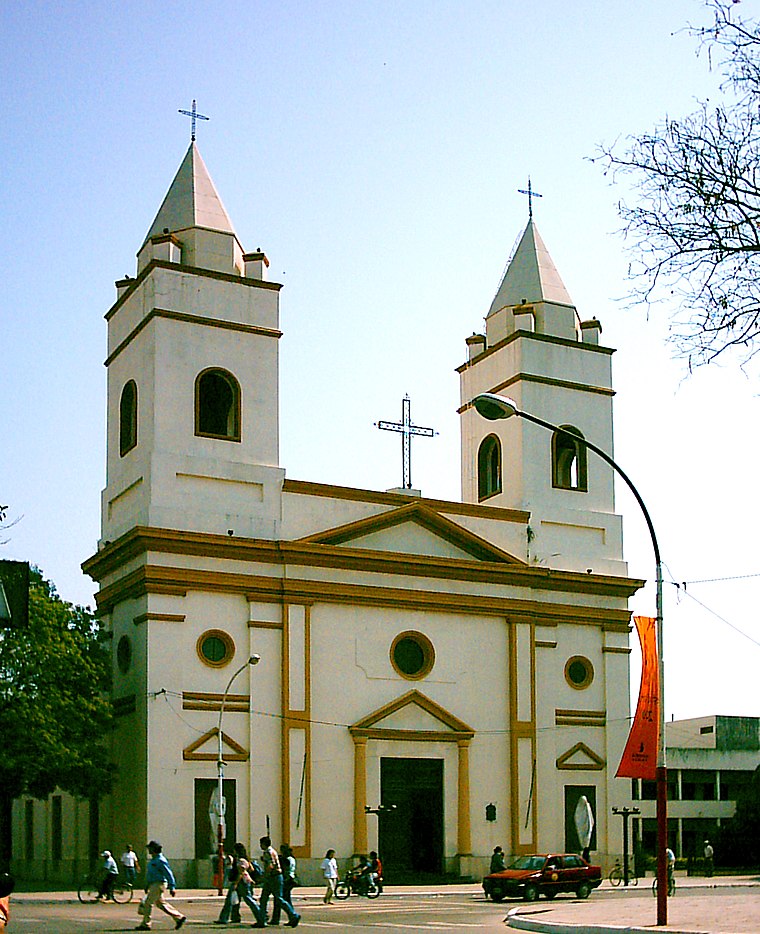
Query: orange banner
x=640 y=754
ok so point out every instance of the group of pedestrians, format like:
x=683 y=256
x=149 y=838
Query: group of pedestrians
x=277 y=873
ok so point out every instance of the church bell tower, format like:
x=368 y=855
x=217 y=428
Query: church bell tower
x=193 y=376
x=537 y=351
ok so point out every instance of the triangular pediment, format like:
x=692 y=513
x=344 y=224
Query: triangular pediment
x=413 y=529
x=580 y=757
x=231 y=750
x=412 y=716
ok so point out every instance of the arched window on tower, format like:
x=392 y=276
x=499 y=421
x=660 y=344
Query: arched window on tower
x=489 y=467
x=128 y=418
x=217 y=405
x=569 y=460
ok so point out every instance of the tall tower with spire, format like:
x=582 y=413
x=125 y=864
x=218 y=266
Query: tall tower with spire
x=192 y=413
x=538 y=351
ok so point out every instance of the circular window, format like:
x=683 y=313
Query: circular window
x=412 y=655
x=124 y=654
x=579 y=672
x=215 y=648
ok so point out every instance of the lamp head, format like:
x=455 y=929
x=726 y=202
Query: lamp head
x=493 y=407
x=254 y=659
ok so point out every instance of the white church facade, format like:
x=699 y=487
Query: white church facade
x=436 y=677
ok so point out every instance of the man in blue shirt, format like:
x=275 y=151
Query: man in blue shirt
x=158 y=878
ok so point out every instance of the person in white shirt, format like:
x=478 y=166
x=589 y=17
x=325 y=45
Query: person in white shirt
x=111 y=870
x=131 y=864
x=330 y=871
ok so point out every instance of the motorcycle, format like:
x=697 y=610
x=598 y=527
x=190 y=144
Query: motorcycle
x=357 y=882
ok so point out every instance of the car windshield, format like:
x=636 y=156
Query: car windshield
x=529 y=862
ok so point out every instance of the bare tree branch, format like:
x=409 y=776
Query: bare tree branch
x=693 y=220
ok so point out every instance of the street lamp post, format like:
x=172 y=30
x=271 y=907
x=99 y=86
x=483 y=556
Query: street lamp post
x=252 y=660
x=492 y=407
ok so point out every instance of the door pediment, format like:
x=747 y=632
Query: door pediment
x=413 y=716
x=580 y=757
x=231 y=750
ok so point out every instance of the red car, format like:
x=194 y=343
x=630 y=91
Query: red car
x=531 y=876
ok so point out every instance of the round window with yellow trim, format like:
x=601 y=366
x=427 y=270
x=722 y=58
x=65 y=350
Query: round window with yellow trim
x=579 y=672
x=215 y=648
x=412 y=655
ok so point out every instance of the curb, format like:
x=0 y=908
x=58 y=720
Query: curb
x=520 y=922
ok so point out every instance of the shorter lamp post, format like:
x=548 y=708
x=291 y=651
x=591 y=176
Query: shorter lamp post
x=625 y=813
x=253 y=660
x=493 y=407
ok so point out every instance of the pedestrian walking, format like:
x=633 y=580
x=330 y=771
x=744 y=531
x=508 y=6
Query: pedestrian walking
x=131 y=864
x=709 y=859
x=497 y=860
x=288 y=866
x=158 y=878
x=241 y=878
x=111 y=871
x=330 y=872
x=272 y=884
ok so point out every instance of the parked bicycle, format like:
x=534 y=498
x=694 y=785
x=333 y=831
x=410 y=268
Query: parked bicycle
x=89 y=889
x=671 y=885
x=616 y=874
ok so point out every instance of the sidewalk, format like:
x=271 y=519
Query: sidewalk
x=697 y=908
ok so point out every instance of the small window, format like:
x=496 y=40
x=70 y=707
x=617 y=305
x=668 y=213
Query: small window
x=489 y=467
x=412 y=655
x=579 y=672
x=217 y=405
x=569 y=460
x=124 y=654
x=215 y=648
x=128 y=418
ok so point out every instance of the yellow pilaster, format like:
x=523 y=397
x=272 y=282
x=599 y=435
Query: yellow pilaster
x=360 y=794
x=464 y=839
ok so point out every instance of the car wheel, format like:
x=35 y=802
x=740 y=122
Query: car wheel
x=551 y=894
x=497 y=895
x=583 y=890
x=531 y=893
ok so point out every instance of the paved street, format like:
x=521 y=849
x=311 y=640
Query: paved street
x=726 y=906
x=388 y=913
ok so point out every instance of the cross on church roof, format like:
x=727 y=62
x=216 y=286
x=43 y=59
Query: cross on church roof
x=407 y=429
x=531 y=195
x=195 y=116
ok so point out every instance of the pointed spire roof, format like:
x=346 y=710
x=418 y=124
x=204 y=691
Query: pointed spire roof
x=531 y=275
x=191 y=201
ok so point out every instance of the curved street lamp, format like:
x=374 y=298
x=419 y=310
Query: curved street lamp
x=494 y=407
x=252 y=660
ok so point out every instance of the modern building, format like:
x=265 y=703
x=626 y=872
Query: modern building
x=710 y=761
x=436 y=677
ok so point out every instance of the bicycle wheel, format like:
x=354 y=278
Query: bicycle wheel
x=633 y=879
x=87 y=891
x=616 y=876
x=122 y=892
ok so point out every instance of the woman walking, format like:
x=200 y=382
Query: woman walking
x=288 y=866
x=330 y=871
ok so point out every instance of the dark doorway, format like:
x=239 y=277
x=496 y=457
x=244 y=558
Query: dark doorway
x=572 y=794
x=410 y=837
x=205 y=835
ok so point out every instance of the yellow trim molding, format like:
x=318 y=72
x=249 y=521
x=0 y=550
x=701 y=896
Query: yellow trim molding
x=238 y=753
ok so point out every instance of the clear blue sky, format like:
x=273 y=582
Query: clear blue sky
x=374 y=151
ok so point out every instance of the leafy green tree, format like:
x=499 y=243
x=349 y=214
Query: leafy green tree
x=55 y=712
x=693 y=222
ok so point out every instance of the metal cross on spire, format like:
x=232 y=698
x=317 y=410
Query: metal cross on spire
x=195 y=116
x=531 y=195
x=407 y=429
